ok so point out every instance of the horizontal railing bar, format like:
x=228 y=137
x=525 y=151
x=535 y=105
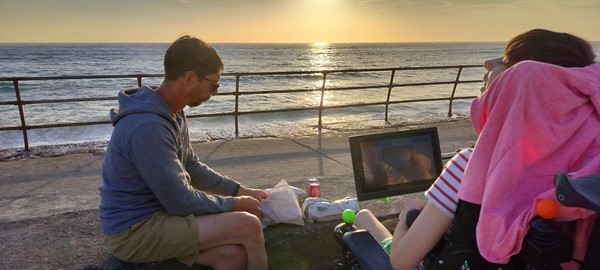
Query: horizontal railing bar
x=45 y=101
x=57 y=125
x=464 y=97
x=209 y=115
x=332 y=106
x=351 y=87
x=82 y=77
x=287 y=91
x=395 y=85
x=255 y=112
x=30 y=102
x=346 y=70
x=417 y=100
x=11 y=128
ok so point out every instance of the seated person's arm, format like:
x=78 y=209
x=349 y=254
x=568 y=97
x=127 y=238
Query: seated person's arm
x=409 y=247
x=206 y=179
x=155 y=158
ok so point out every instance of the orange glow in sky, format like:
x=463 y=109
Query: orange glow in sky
x=291 y=21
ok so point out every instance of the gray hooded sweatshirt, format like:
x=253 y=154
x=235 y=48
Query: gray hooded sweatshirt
x=150 y=166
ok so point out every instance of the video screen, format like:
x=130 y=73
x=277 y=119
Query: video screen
x=395 y=163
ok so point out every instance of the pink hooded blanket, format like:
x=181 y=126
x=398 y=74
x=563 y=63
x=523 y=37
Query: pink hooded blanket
x=535 y=120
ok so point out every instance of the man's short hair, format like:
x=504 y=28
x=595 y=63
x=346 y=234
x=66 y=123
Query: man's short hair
x=191 y=54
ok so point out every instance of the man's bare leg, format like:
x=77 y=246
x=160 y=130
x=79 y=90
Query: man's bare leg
x=233 y=228
x=224 y=257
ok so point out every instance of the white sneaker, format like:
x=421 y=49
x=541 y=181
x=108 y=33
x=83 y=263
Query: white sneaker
x=320 y=210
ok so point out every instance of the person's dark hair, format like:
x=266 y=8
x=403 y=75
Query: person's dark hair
x=189 y=53
x=542 y=45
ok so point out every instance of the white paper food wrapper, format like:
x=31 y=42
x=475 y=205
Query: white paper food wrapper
x=300 y=194
x=281 y=206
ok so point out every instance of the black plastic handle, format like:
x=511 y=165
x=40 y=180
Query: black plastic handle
x=581 y=192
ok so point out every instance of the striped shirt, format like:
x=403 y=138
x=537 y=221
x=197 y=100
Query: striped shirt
x=444 y=191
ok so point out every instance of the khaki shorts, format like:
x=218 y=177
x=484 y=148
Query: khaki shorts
x=160 y=237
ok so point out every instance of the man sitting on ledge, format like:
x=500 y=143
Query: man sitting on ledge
x=158 y=200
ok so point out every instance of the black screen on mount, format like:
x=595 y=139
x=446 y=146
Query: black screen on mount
x=395 y=163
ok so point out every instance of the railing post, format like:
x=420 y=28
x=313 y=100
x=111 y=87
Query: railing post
x=237 y=99
x=321 y=102
x=21 y=113
x=139 y=80
x=387 y=101
x=451 y=99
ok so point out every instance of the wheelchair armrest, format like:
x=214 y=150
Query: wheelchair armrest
x=581 y=192
x=369 y=253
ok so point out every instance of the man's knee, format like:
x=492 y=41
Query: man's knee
x=251 y=227
x=249 y=222
x=230 y=228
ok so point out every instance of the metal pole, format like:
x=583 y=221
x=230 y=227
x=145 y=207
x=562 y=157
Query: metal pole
x=322 y=97
x=453 y=92
x=22 y=114
x=237 y=99
x=387 y=101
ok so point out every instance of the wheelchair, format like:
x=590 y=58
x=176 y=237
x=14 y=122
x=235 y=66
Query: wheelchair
x=545 y=246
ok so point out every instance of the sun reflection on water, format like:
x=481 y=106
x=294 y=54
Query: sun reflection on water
x=319 y=54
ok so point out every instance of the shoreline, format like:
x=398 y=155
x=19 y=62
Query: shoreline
x=99 y=147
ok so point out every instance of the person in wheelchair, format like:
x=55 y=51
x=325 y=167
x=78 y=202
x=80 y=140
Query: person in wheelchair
x=537 y=141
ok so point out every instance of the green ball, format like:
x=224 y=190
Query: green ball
x=348 y=216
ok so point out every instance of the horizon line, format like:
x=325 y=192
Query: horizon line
x=319 y=42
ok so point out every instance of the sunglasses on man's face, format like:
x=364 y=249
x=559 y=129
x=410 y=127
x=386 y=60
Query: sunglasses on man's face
x=215 y=85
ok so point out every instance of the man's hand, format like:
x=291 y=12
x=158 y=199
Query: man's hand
x=258 y=194
x=248 y=204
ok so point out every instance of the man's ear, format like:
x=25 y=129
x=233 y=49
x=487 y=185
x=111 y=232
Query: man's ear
x=189 y=77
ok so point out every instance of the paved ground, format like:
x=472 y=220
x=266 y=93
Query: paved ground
x=41 y=199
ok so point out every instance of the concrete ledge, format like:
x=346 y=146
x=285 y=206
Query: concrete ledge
x=288 y=247
x=310 y=247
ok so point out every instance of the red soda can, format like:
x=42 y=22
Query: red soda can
x=313 y=187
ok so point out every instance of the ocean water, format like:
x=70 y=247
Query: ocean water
x=33 y=60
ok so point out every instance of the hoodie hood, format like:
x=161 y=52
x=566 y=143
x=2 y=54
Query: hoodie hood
x=139 y=101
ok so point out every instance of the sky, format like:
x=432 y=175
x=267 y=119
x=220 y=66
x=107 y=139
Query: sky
x=291 y=21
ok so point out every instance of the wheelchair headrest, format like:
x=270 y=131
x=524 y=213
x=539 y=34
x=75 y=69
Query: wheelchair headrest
x=581 y=192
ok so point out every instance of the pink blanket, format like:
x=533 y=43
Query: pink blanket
x=534 y=121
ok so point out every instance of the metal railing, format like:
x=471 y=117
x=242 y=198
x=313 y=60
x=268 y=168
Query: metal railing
x=20 y=103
